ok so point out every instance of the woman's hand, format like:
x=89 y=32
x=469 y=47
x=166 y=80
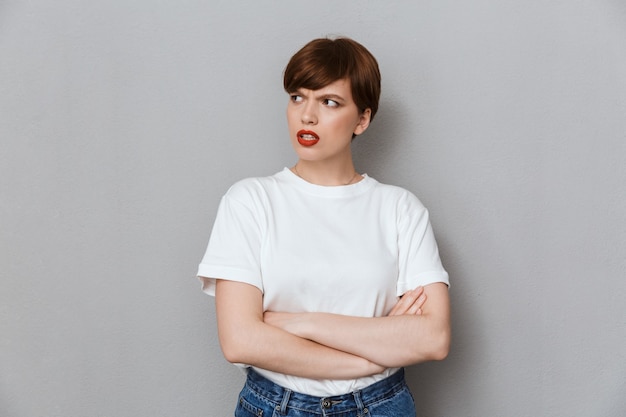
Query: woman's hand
x=420 y=330
x=411 y=303
x=246 y=338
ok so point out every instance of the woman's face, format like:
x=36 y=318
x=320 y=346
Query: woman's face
x=322 y=122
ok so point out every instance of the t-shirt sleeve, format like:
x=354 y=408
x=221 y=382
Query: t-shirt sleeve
x=234 y=247
x=419 y=261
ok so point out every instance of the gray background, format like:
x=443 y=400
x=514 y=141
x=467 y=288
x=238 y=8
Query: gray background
x=123 y=122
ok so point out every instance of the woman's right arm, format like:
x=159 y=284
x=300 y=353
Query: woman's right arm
x=245 y=338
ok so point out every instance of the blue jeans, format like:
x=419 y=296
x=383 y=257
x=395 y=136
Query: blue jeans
x=387 y=398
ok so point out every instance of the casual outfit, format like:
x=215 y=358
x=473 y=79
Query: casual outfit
x=349 y=250
x=389 y=397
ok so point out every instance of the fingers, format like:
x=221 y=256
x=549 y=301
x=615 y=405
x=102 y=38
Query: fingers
x=411 y=302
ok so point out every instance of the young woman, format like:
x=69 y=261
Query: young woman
x=327 y=282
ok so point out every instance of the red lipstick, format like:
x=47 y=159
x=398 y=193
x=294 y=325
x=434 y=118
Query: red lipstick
x=307 y=137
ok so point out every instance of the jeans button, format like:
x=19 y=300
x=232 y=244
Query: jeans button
x=326 y=404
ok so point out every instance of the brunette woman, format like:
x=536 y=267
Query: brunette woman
x=327 y=282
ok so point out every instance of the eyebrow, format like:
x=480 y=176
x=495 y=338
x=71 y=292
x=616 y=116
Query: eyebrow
x=329 y=96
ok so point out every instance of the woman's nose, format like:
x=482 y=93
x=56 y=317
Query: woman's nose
x=309 y=115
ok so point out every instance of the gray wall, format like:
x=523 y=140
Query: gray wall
x=123 y=122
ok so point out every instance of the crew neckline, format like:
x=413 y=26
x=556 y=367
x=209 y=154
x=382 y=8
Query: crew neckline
x=328 y=190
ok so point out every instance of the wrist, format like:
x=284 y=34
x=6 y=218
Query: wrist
x=306 y=326
x=375 y=368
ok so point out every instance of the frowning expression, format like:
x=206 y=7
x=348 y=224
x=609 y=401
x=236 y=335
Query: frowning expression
x=322 y=122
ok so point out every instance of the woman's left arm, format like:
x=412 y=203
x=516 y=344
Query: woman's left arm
x=407 y=337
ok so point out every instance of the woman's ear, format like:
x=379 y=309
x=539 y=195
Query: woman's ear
x=364 y=121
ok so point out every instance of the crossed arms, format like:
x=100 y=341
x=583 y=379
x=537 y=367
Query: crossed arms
x=331 y=346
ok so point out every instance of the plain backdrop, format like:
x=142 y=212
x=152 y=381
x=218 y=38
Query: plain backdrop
x=123 y=122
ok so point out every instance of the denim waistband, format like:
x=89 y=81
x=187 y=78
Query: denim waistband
x=285 y=398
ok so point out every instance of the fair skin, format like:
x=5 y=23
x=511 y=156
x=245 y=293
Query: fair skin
x=330 y=113
x=245 y=337
x=322 y=345
x=392 y=341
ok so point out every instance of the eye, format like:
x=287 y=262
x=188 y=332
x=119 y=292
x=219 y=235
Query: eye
x=330 y=103
x=296 y=98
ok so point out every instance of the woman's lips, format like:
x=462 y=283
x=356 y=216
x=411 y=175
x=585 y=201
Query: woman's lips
x=307 y=137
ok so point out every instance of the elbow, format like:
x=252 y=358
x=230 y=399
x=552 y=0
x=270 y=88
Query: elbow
x=233 y=349
x=431 y=346
x=231 y=355
x=440 y=353
x=437 y=349
x=440 y=347
x=242 y=342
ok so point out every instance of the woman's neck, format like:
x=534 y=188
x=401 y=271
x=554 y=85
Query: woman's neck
x=326 y=174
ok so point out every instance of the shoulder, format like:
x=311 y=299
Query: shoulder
x=253 y=190
x=399 y=196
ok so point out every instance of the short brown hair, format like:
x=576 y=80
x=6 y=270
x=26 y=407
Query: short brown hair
x=323 y=61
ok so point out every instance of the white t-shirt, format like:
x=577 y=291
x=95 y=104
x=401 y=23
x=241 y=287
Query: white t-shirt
x=348 y=250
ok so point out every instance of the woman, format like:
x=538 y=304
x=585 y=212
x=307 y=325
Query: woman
x=327 y=282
